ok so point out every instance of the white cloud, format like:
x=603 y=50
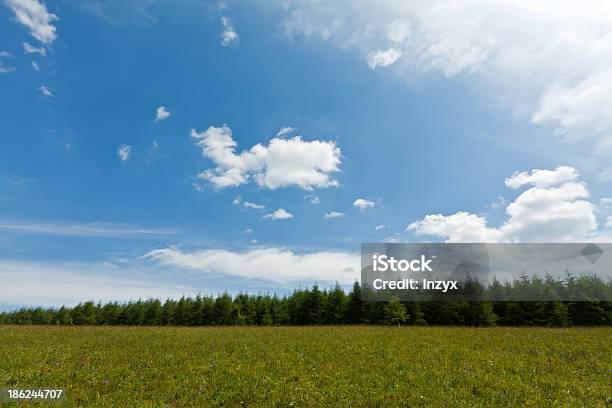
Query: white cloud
x=283 y=163
x=35 y=66
x=161 y=113
x=30 y=49
x=124 y=152
x=554 y=209
x=609 y=222
x=542 y=178
x=549 y=60
x=313 y=199
x=284 y=131
x=363 y=204
x=253 y=206
x=57 y=284
x=247 y=204
x=381 y=227
x=272 y=264
x=333 y=214
x=35 y=16
x=280 y=214
x=95 y=229
x=383 y=58
x=499 y=202
x=19 y=182
x=605 y=203
x=45 y=91
x=229 y=36
x=5 y=69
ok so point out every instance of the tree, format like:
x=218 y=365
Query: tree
x=224 y=314
x=334 y=310
x=315 y=305
x=395 y=312
x=153 y=312
x=355 y=305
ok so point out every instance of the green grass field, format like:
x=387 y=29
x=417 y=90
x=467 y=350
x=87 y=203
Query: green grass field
x=311 y=366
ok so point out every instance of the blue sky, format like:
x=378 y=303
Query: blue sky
x=446 y=128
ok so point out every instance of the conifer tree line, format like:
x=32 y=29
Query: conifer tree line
x=313 y=306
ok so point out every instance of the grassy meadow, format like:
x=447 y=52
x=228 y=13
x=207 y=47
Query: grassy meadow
x=357 y=366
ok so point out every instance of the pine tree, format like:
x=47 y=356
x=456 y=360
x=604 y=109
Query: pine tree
x=315 y=305
x=355 y=305
x=395 y=312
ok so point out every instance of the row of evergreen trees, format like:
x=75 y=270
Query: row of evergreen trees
x=312 y=306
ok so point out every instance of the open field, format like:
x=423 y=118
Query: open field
x=311 y=366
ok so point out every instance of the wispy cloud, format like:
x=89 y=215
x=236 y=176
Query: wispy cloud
x=271 y=264
x=124 y=152
x=96 y=229
x=67 y=283
x=19 y=182
x=35 y=16
x=161 y=113
x=30 y=49
x=229 y=36
x=333 y=214
x=5 y=69
x=312 y=198
x=383 y=58
x=46 y=91
x=518 y=58
x=253 y=206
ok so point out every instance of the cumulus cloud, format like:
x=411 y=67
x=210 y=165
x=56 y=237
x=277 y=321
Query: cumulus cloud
x=333 y=214
x=161 y=113
x=555 y=208
x=35 y=16
x=124 y=152
x=542 y=178
x=30 y=49
x=45 y=91
x=549 y=61
x=229 y=36
x=271 y=264
x=280 y=214
x=383 y=58
x=282 y=163
x=363 y=204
